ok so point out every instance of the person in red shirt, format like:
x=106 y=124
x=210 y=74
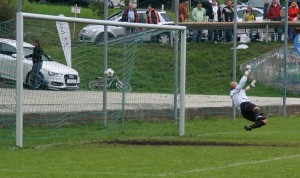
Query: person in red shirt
x=273 y=13
x=292 y=13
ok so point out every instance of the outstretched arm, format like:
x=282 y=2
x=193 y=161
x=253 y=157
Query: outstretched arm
x=245 y=77
x=252 y=85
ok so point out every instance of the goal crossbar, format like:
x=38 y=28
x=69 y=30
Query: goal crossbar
x=101 y=22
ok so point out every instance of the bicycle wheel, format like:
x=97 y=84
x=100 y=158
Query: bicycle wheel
x=96 y=85
x=123 y=86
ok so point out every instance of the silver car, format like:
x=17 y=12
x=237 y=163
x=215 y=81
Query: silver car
x=59 y=75
x=94 y=33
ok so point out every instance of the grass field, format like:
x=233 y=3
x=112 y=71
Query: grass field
x=211 y=148
x=214 y=147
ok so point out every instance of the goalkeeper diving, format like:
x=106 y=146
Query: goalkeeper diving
x=240 y=100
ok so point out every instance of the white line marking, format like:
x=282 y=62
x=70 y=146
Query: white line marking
x=233 y=165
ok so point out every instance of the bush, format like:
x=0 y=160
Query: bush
x=8 y=9
x=98 y=9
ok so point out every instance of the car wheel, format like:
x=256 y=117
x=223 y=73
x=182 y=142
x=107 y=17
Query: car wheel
x=164 y=39
x=100 y=37
x=29 y=80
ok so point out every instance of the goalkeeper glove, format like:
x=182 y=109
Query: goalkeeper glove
x=248 y=67
x=252 y=84
x=248 y=87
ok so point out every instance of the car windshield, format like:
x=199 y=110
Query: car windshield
x=166 y=17
x=142 y=17
x=29 y=50
x=116 y=16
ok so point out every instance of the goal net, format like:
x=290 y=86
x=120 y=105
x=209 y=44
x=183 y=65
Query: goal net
x=81 y=100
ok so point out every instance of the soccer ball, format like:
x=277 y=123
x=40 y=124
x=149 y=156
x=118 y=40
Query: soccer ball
x=109 y=72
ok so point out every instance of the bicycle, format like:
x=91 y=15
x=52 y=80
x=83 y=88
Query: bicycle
x=99 y=84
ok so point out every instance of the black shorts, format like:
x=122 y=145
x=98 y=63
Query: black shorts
x=247 y=111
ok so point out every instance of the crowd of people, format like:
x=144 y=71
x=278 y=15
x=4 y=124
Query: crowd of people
x=212 y=11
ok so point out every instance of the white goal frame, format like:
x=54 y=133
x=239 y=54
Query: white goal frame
x=20 y=37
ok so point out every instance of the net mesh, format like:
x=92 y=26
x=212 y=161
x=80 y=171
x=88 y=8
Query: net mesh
x=143 y=62
x=51 y=113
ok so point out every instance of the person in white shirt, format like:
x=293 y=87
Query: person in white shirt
x=240 y=100
x=213 y=34
x=297 y=19
x=297 y=29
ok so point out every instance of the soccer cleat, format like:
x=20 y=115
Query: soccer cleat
x=259 y=117
x=247 y=128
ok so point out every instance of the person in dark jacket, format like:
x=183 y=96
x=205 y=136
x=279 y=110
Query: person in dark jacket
x=37 y=63
x=130 y=15
x=228 y=15
x=152 y=15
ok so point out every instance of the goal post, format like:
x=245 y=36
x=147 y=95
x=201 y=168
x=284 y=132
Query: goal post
x=20 y=36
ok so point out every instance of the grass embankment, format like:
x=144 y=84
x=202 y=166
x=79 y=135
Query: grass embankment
x=209 y=65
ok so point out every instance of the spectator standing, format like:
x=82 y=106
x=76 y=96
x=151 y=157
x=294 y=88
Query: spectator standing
x=198 y=16
x=216 y=18
x=216 y=11
x=207 y=5
x=152 y=15
x=297 y=19
x=208 y=9
x=37 y=62
x=292 y=13
x=249 y=16
x=273 y=13
x=130 y=15
x=183 y=11
x=227 y=16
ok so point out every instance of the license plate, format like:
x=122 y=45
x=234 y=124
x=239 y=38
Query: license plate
x=71 y=81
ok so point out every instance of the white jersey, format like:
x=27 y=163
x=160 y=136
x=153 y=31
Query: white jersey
x=238 y=95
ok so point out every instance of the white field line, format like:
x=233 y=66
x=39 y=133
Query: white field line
x=235 y=132
x=183 y=172
x=232 y=165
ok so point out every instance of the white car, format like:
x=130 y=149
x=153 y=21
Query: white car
x=259 y=13
x=94 y=33
x=59 y=76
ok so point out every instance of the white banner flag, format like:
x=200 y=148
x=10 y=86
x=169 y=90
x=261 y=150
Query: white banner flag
x=65 y=39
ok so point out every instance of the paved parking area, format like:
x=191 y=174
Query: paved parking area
x=47 y=101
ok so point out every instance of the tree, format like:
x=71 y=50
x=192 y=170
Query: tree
x=98 y=9
x=173 y=5
x=126 y=3
x=8 y=10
